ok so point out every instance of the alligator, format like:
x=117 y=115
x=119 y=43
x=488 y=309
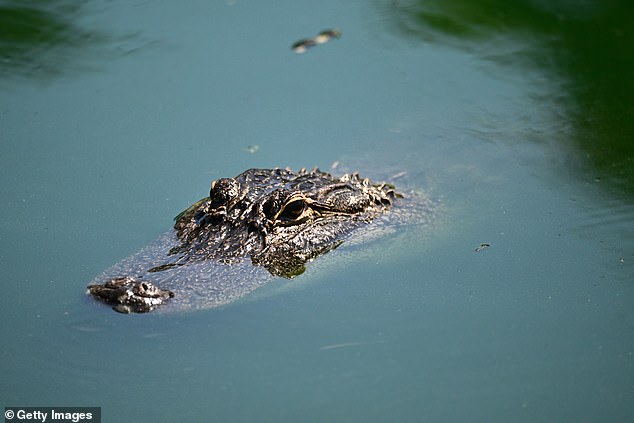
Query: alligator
x=277 y=219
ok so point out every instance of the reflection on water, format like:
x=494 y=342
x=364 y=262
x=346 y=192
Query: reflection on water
x=590 y=46
x=41 y=38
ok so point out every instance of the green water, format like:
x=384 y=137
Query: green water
x=518 y=119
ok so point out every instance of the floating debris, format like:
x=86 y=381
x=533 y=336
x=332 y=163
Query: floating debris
x=252 y=148
x=398 y=175
x=349 y=344
x=482 y=247
x=302 y=46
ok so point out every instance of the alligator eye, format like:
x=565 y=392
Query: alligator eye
x=292 y=210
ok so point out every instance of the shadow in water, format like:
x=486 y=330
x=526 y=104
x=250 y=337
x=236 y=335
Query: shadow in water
x=41 y=39
x=589 y=45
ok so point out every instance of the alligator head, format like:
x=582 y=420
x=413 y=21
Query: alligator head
x=279 y=218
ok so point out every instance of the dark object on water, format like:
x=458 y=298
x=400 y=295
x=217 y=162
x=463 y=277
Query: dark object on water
x=302 y=46
x=482 y=247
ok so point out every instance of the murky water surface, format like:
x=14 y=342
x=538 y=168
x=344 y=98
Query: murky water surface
x=518 y=120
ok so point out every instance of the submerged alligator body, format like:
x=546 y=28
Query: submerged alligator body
x=273 y=219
